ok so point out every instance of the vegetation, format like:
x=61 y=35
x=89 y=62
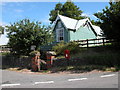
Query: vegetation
x=4 y=53
x=109 y=20
x=24 y=33
x=73 y=47
x=97 y=58
x=68 y=9
x=1 y=30
x=84 y=68
x=33 y=53
x=106 y=58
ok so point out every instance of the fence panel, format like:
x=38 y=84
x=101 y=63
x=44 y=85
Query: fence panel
x=94 y=42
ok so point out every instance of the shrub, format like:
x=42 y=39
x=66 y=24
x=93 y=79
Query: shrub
x=72 y=46
x=33 y=53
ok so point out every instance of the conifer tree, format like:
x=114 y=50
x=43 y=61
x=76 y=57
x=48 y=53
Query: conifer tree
x=68 y=9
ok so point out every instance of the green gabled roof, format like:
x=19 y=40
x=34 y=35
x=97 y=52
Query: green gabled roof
x=73 y=24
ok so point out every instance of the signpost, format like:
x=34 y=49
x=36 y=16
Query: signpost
x=33 y=47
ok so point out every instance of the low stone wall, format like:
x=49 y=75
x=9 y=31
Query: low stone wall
x=72 y=62
x=76 y=62
x=23 y=62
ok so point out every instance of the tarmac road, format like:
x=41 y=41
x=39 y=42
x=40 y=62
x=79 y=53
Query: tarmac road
x=12 y=79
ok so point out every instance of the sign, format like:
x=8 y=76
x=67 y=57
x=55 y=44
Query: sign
x=33 y=47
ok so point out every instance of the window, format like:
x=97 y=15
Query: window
x=59 y=24
x=60 y=34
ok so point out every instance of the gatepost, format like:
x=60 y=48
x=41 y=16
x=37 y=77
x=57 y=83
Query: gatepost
x=36 y=62
x=50 y=56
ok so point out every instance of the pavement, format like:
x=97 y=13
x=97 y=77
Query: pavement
x=13 y=79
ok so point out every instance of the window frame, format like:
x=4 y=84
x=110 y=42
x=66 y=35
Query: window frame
x=59 y=24
x=59 y=34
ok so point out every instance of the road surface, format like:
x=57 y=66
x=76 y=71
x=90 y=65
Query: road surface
x=12 y=79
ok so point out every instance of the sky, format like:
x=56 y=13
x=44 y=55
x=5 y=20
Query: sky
x=39 y=11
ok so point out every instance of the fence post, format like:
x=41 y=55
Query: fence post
x=87 y=43
x=103 y=42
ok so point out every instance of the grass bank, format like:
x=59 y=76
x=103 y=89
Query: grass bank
x=104 y=58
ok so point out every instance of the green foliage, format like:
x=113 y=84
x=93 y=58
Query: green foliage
x=1 y=30
x=33 y=53
x=105 y=58
x=24 y=33
x=4 y=53
x=97 y=58
x=68 y=9
x=109 y=19
x=73 y=47
x=61 y=47
x=95 y=22
x=83 y=68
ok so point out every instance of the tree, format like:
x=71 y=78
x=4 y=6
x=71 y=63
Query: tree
x=1 y=30
x=110 y=20
x=24 y=33
x=68 y=9
x=53 y=13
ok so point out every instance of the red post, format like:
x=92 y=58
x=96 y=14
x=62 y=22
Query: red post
x=50 y=56
x=67 y=55
x=36 y=62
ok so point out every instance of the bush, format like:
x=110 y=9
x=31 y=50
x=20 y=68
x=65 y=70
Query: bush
x=72 y=46
x=107 y=58
x=33 y=53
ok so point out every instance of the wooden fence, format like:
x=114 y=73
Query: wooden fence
x=94 y=42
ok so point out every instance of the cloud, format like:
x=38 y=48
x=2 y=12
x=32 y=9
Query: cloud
x=46 y=20
x=3 y=39
x=86 y=14
x=89 y=15
x=2 y=3
x=3 y=23
x=99 y=11
x=19 y=10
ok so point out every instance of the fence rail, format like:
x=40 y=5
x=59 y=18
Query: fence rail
x=94 y=42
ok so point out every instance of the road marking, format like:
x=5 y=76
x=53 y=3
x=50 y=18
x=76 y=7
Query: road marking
x=43 y=82
x=108 y=75
x=77 y=79
x=6 y=85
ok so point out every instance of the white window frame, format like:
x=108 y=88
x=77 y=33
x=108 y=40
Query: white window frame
x=58 y=34
x=59 y=24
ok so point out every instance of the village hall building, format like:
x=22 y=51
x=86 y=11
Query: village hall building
x=67 y=29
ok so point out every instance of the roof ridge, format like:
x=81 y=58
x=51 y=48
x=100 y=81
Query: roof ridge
x=67 y=17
